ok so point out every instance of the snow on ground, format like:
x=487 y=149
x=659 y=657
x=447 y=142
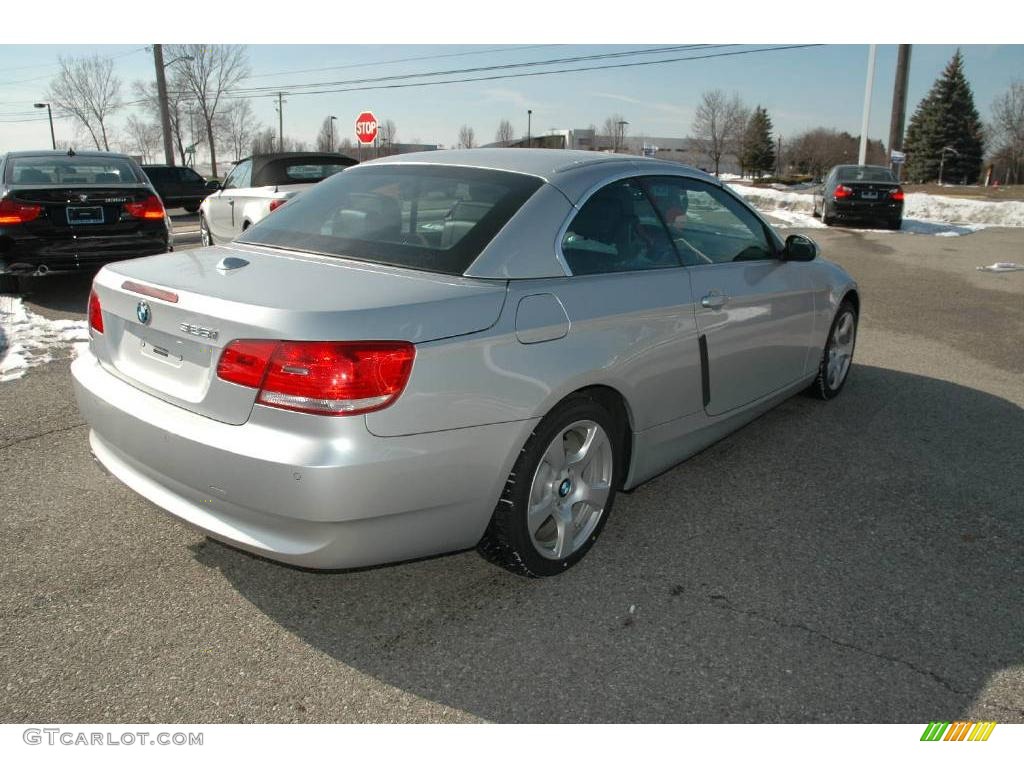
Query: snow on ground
x=923 y=214
x=28 y=339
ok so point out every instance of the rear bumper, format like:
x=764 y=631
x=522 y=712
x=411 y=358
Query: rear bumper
x=64 y=253
x=866 y=211
x=311 y=491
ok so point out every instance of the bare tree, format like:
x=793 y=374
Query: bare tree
x=467 y=137
x=614 y=128
x=505 y=133
x=177 y=108
x=88 y=89
x=346 y=143
x=387 y=132
x=326 y=141
x=237 y=127
x=719 y=124
x=264 y=142
x=1007 y=132
x=207 y=71
x=143 y=138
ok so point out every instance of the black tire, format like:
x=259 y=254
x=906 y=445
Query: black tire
x=205 y=236
x=191 y=208
x=827 y=220
x=10 y=283
x=894 y=224
x=507 y=541
x=822 y=388
x=814 y=208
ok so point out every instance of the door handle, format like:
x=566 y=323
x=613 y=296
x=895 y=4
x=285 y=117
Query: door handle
x=714 y=300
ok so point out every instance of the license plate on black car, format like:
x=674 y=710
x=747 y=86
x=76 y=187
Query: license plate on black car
x=869 y=194
x=90 y=215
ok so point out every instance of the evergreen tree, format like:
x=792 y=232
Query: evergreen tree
x=758 y=147
x=946 y=117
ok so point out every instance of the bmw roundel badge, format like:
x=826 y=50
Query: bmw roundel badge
x=142 y=312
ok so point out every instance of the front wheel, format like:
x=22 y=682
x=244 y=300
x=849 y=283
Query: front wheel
x=560 y=492
x=837 y=356
x=191 y=208
x=204 y=230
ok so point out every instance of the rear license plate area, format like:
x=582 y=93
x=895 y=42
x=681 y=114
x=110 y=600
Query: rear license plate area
x=869 y=194
x=85 y=215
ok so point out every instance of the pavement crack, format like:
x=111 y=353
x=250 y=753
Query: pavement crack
x=723 y=603
x=26 y=438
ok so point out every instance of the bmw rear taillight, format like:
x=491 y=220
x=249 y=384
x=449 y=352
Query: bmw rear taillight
x=843 y=191
x=333 y=378
x=13 y=212
x=896 y=194
x=277 y=203
x=95 y=313
x=150 y=208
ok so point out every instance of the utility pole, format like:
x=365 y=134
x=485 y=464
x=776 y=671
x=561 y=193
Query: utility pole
x=529 y=120
x=778 y=157
x=899 y=104
x=161 y=94
x=863 y=156
x=280 y=122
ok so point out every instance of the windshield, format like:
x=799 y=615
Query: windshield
x=61 y=169
x=865 y=173
x=430 y=217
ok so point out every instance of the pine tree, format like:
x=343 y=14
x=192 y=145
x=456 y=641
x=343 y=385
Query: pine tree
x=946 y=117
x=758 y=147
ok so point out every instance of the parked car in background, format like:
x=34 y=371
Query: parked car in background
x=449 y=349
x=179 y=187
x=860 y=193
x=69 y=211
x=259 y=185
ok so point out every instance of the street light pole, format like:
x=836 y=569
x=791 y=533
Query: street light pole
x=529 y=121
x=942 y=160
x=161 y=94
x=333 y=118
x=863 y=156
x=49 y=112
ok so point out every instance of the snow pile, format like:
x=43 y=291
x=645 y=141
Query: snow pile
x=923 y=214
x=28 y=339
x=960 y=210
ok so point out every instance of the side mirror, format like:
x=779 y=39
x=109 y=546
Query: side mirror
x=800 y=248
x=213 y=185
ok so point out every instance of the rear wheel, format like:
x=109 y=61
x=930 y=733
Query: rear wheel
x=204 y=230
x=827 y=220
x=560 y=492
x=191 y=208
x=10 y=283
x=837 y=356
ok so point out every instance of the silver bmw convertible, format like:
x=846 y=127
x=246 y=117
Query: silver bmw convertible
x=446 y=350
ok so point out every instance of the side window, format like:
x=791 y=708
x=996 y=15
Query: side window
x=707 y=224
x=240 y=177
x=188 y=176
x=617 y=230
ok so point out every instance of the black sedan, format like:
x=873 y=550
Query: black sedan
x=71 y=211
x=860 y=193
x=179 y=187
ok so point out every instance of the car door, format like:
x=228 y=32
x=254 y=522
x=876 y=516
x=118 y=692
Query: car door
x=754 y=311
x=225 y=206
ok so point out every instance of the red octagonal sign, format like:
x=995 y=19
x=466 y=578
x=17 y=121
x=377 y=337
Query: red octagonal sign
x=366 y=127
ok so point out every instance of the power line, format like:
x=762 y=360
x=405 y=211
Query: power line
x=399 y=61
x=489 y=68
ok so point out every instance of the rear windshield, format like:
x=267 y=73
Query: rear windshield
x=855 y=173
x=61 y=169
x=429 y=217
x=311 y=172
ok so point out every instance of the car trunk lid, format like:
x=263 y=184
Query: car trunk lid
x=167 y=318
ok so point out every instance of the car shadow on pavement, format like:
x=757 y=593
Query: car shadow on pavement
x=65 y=292
x=851 y=561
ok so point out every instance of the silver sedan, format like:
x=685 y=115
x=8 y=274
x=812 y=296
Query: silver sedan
x=445 y=350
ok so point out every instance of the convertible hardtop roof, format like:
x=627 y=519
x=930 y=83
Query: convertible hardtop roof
x=266 y=169
x=546 y=164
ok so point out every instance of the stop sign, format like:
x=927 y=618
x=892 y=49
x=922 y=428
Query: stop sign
x=366 y=127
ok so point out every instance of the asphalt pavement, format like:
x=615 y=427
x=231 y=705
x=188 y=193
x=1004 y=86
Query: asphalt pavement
x=860 y=560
